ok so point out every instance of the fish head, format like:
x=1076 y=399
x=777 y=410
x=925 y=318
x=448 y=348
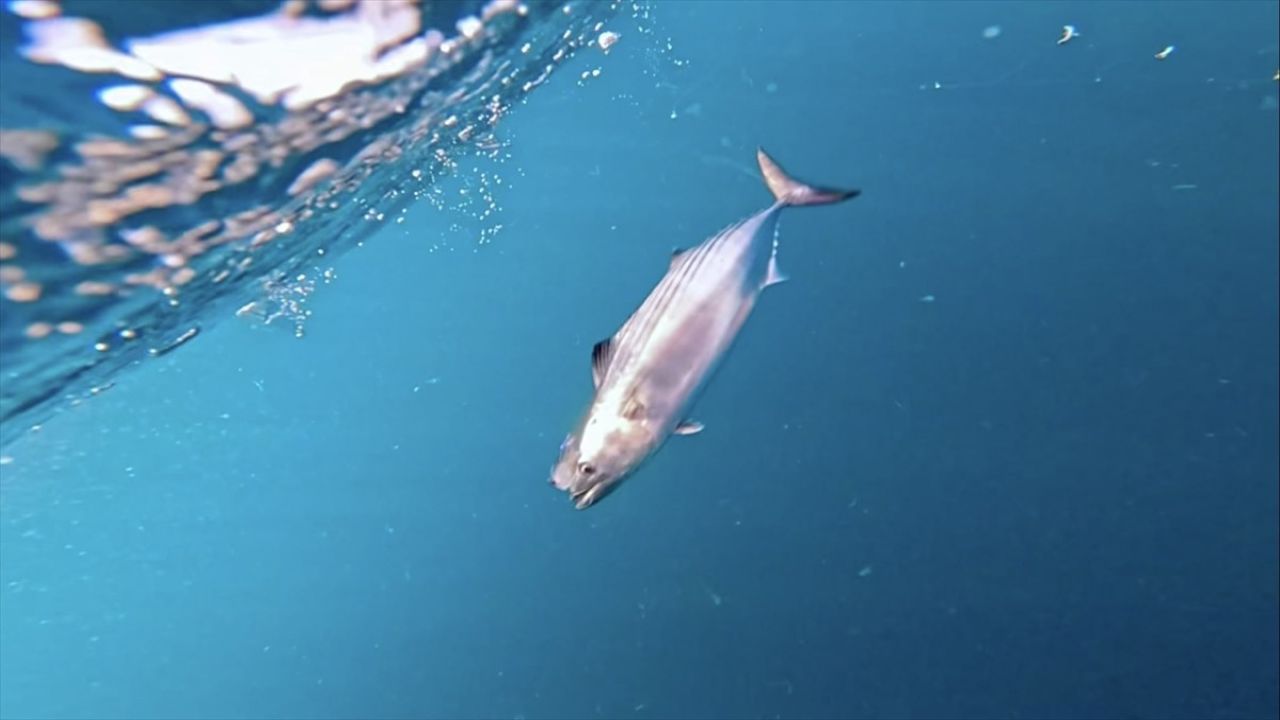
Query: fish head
x=598 y=455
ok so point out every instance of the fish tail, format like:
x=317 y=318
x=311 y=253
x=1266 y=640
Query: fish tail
x=790 y=191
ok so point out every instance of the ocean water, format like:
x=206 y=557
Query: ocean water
x=1003 y=447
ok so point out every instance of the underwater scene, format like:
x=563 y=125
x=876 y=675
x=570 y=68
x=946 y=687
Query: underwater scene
x=649 y=359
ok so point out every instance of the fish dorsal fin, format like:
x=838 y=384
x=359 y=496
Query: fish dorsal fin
x=676 y=255
x=601 y=356
x=689 y=427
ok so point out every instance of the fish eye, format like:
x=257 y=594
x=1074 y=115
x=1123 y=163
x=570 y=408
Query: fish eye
x=587 y=468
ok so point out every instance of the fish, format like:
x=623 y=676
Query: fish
x=650 y=372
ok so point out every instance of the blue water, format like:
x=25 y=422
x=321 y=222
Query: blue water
x=1004 y=446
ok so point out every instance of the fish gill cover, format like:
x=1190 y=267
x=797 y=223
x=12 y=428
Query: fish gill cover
x=183 y=160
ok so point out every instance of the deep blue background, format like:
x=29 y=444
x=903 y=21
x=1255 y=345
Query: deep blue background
x=1050 y=492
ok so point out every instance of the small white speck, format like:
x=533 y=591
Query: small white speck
x=927 y=298
x=865 y=571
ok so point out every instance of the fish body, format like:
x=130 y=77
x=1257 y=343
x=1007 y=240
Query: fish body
x=648 y=374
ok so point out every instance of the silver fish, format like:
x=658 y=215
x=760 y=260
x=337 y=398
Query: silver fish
x=649 y=373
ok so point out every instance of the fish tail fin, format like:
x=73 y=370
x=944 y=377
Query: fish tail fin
x=790 y=191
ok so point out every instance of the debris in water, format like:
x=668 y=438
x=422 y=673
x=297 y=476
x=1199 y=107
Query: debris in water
x=1166 y=52
x=1068 y=32
x=181 y=340
x=865 y=571
x=991 y=32
x=927 y=298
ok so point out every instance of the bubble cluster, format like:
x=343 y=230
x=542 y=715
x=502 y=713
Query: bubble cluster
x=233 y=154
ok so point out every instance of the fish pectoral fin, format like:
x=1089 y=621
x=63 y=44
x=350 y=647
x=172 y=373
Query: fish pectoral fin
x=689 y=427
x=774 y=274
x=601 y=356
x=633 y=409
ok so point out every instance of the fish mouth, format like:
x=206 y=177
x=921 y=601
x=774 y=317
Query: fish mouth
x=584 y=498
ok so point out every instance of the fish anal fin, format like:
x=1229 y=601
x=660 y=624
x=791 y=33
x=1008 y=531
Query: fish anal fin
x=774 y=274
x=601 y=356
x=688 y=427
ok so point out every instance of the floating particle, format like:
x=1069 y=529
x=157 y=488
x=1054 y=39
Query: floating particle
x=24 y=292
x=94 y=288
x=224 y=110
x=607 y=39
x=166 y=110
x=865 y=571
x=1068 y=32
x=125 y=98
x=470 y=27
x=178 y=342
x=314 y=174
x=1166 y=52
x=927 y=298
x=1185 y=186
x=991 y=32
x=148 y=132
x=34 y=9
